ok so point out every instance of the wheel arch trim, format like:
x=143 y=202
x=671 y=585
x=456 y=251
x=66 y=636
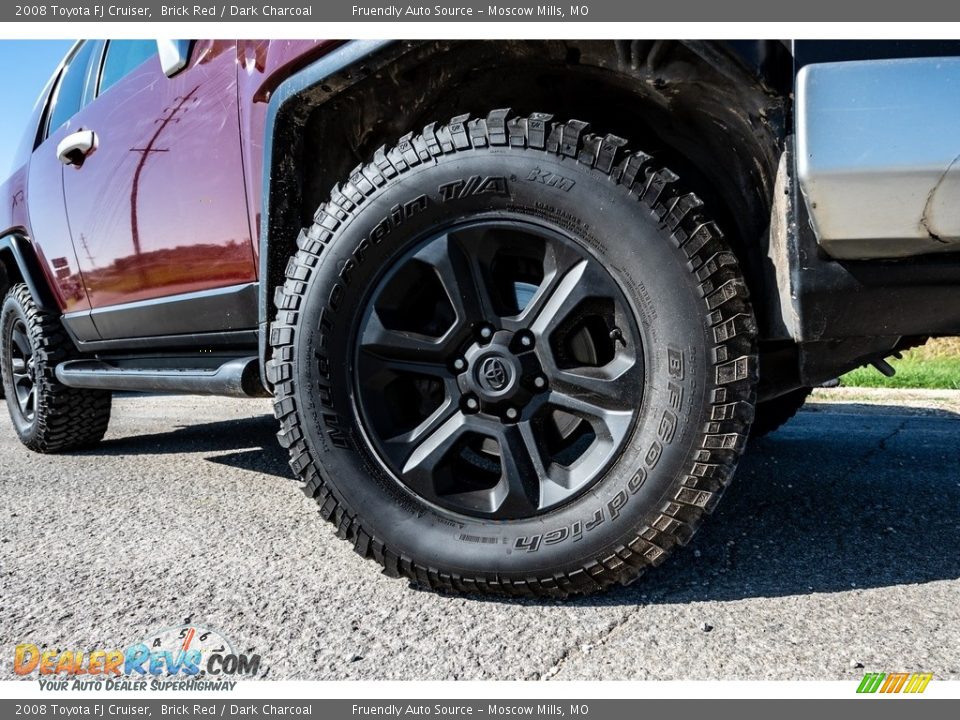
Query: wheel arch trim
x=303 y=96
x=281 y=105
x=17 y=252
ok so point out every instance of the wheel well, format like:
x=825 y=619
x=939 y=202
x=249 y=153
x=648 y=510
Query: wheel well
x=9 y=272
x=695 y=105
x=4 y=276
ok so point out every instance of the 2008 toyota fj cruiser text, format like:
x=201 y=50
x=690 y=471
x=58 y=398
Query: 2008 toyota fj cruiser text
x=512 y=351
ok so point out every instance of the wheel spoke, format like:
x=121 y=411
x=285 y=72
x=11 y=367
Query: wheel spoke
x=594 y=388
x=379 y=370
x=605 y=397
x=22 y=342
x=558 y=261
x=563 y=294
x=402 y=447
x=529 y=437
x=461 y=278
x=423 y=458
x=397 y=345
x=26 y=392
x=607 y=424
x=522 y=470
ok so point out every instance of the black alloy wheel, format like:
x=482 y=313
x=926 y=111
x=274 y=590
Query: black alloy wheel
x=500 y=369
x=23 y=370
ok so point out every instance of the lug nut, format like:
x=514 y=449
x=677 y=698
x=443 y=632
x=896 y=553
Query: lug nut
x=540 y=382
x=472 y=403
x=460 y=364
x=526 y=341
x=486 y=332
x=512 y=414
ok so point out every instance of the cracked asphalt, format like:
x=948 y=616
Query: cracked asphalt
x=833 y=553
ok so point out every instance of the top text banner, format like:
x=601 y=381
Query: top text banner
x=481 y=11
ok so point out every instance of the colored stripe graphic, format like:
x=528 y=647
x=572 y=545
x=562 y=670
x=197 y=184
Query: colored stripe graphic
x=894 y=682
x=871 y=682
x=919 y=682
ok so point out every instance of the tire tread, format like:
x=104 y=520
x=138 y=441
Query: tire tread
x=726 y=308
x=67 y=418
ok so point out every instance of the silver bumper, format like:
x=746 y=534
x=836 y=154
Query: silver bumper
x=878 y=155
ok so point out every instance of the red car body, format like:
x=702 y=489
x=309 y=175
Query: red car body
x=162 y=207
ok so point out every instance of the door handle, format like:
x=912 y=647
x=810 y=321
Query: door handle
x=76 y=146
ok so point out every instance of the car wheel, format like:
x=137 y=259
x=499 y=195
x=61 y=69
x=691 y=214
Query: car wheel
x=512 y=356
x=773 y=414
x=47 y=416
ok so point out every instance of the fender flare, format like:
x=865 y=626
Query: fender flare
x=16 y=252
x=280 y=122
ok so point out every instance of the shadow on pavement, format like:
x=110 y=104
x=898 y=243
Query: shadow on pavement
x=246 y=443
x=844 y=496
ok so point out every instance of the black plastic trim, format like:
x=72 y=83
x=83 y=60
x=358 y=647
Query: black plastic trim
x=80 y=327
x=222 y=309
x=845 y=313
x=282 y=101
x=18 y=249
x=193 y=342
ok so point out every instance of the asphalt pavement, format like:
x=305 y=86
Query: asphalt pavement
x=835 y=552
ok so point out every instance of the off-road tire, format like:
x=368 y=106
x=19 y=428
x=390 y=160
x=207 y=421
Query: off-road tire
x=686 y=289
x=771 y=415
x=64 y=418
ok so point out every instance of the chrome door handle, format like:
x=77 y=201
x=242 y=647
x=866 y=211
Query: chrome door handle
x=76 y=146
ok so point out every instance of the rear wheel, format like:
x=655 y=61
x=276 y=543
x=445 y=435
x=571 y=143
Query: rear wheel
x=47 y=416
x=774 y=414
x=512 y=356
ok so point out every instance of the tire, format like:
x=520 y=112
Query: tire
x=48 y=417
x=677 y=303
x=773 y=414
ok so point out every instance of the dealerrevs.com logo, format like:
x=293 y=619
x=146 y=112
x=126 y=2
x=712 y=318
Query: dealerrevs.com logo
x=185 y=657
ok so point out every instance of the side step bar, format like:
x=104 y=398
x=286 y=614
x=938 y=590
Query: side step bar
x=239 y=377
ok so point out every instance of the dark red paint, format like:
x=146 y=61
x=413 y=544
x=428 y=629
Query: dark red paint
x=169 y=201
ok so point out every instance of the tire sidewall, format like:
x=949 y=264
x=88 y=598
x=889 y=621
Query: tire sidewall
x=607 y=220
